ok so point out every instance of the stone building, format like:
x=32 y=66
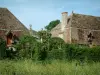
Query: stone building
x=78 y=28
x=10 y=27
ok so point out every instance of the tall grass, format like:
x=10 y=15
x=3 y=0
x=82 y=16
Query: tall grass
x=56 y=67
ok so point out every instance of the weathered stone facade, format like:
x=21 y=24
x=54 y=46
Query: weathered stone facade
x=77 y=28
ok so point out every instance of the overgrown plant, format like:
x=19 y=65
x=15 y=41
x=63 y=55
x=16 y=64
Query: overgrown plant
x=54 y=48
x=2 y=48
x=26 y=47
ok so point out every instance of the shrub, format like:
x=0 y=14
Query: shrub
x=26 y=47
x=42 y=52
x=2 y=48
x=94 y=54
x=81 y=53
x=56 y=48
x=56 y=54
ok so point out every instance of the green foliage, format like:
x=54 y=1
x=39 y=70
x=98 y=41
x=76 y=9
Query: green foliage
x=50 y=47
x=94 y=53
x=42 y=52
x=29 y=47
x=44 y=35
x=56 y=48
x=56 y=67
x=26 y=47
x=56 y=43
x=52 y=24
x=2 y=48
x=56 y=54
x=75 y=52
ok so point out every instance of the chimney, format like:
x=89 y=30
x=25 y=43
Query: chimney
x=64 y=20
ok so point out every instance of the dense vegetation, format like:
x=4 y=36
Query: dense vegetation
x=56 y=67
x=48 y=56
x=54 y=48
x=2 y=48
x=52 y=24
x=50 y=48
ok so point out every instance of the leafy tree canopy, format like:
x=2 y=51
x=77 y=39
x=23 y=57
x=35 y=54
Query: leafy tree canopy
x=44 y=34
x=52 y=24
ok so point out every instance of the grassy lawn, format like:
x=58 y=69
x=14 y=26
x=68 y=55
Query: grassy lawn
x=28 y=67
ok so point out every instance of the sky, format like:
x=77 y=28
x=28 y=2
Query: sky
x=39 y=13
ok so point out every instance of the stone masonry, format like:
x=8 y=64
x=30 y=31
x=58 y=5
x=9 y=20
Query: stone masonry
x=75 y=28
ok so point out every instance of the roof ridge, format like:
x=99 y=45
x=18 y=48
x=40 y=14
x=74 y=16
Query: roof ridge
x=3 y=8
x=86 y=15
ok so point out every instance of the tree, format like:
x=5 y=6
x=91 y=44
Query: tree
x=26 y=47
x=56 y=43
x=52 y=24
x=44 y=35
x=56 y=48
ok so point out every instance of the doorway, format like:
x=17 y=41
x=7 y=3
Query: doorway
x=9 y=39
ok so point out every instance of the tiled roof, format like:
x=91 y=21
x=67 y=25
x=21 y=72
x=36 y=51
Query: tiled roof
x=85 y=21
x=9 y=22
x=82 y=21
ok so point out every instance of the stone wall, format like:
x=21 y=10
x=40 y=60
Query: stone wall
x=56 y=30
x=67 y=36
x=80 y=36
x=96 y=35
x=82 y=25
x=55 y=33
x=78 y=28
x=74 y=35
